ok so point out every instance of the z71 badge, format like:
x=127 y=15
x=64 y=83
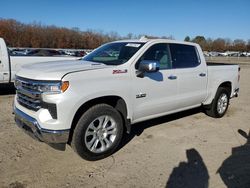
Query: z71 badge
x=120 y=71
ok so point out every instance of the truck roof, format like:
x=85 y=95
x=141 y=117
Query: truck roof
x=146 y=40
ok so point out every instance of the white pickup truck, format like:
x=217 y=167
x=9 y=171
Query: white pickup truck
x=9 y=65
x=90 y=103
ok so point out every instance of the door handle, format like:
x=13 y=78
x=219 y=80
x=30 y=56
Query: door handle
x=202 y=74
x=172 y=77
x=5 y=73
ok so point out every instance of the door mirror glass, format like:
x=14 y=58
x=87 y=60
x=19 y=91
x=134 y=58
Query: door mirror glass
x=148 y=66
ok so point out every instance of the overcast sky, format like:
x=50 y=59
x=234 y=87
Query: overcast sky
x=179 y=18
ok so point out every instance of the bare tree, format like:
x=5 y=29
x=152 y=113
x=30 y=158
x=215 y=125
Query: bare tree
x=36 y=35
x=239 y=45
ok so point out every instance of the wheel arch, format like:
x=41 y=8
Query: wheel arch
x=212 y=93
x=227 y=85
x=115 y=101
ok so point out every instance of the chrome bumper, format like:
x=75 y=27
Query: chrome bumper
x=32 y=128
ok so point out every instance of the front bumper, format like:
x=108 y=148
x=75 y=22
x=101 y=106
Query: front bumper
x=32 y=128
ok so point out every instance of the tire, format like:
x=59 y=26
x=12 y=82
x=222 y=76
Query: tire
x=219 y=106
x=98 y=132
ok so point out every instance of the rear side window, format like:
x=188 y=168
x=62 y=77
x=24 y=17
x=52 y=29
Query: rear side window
x=183 y=56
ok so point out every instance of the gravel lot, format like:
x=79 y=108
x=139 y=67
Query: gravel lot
x=187 y=149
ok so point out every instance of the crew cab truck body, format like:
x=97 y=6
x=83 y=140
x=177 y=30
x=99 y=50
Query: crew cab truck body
x=90 y=103
x=9 y=65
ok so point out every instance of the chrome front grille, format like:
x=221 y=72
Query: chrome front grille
x=28 y=94
x=29 y=86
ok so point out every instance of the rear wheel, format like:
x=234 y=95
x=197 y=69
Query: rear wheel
x=219 y=106
x=98 y=132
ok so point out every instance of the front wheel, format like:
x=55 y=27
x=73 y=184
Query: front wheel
x=98 y=132
x=220 y=103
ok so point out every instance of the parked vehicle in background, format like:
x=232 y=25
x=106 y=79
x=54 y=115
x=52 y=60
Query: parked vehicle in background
x=45 y=52
x=9 y=65
x=71 y=53
x=18 y=52
x=90 y=103
x=80 y=53
x=245 y=54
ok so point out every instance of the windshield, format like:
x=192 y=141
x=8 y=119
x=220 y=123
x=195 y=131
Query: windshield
x=114 y=53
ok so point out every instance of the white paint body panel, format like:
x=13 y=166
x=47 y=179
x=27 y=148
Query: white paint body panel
x=163 y=96
x=218 y=75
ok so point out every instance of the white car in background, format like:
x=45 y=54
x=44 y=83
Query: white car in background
x=9 y=65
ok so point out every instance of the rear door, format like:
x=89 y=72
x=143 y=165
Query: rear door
x=190 y=73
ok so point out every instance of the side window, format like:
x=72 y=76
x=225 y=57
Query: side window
x=183 y=56
x=158 y=52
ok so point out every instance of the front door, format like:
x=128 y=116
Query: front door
x=4 y=66
x=1 y=67
x=155 y=93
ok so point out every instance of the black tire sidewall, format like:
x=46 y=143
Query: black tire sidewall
x=78 y=142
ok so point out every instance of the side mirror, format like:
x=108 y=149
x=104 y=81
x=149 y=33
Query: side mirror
x=147 y=66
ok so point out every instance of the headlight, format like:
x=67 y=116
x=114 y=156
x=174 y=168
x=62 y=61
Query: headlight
x=17 y=83
x=53 y=88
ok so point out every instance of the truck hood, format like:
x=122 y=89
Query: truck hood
x=55 y=70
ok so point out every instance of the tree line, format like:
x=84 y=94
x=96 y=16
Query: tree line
x=36 y=35
x=221 y=44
